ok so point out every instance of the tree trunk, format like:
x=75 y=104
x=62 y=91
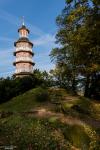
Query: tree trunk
x=87 y=88
x=74 y=86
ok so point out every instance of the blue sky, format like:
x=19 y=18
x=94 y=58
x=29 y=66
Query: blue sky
x=40 y=18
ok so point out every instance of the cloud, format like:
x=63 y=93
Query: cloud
x=43 y=67
x=5 y=39
x=6 y=59
x=44 y=40
x=35 y=30
x=5 y=74
x=5 y=51
x=7 y=69
x=4 y=15
x=8 y=17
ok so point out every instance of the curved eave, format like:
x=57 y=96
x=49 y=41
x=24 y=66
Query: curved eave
x=24 y=27
x=22 y=61
x=14 y=53
x=26 y=41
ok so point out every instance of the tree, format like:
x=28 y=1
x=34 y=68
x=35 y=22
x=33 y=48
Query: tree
x=78 y=34
x=44 y=78
x=65 y=68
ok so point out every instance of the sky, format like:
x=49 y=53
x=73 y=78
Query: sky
x=40 y=16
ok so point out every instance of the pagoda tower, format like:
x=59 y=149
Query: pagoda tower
x=23 y=63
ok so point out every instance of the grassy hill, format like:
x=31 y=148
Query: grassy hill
x=50 y=119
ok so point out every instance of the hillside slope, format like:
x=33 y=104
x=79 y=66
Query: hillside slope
x=50 y=119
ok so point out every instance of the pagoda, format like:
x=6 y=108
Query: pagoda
x=23 y=53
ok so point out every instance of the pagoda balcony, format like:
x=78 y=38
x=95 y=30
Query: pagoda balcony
x=21 y=70
x=23 y=59
x=23 y=48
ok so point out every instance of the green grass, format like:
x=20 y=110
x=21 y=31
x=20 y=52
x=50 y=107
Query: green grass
x=49 y=133
x=23 y=131
x=41 y=133
x=22 y=103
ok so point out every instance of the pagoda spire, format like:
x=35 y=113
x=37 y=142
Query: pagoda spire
x=23 y=21
x=23 y=31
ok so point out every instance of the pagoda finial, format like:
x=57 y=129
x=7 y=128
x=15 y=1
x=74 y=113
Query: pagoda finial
x=23 y=21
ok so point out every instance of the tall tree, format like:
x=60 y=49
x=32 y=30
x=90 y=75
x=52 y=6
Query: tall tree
x=78 y=33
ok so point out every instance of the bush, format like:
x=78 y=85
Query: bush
x=12 y=87
x=41 y=95
x=80 y=110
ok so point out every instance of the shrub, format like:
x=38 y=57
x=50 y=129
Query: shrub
x=41 y=95
x=11 y=87
x=80 y=110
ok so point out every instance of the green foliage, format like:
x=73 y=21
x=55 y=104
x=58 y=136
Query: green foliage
x=77 y=136
x=53 y=132
x=11 y=87
x=34 y=133
x=45 y=78
x=79 y=54
x=42 y=134
x=26 y=101
x=41 y=95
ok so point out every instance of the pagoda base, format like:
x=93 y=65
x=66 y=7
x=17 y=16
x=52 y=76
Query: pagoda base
x=22 y=74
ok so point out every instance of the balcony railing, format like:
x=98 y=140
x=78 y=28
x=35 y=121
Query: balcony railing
x=26 y=59
x=23 y=48
x=24 y=70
